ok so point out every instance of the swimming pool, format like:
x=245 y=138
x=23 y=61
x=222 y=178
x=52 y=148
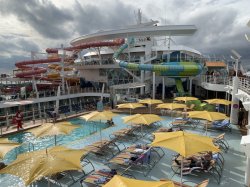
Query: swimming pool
x=29 y=142
x=79 y=138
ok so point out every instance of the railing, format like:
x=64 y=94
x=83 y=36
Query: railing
x=34 y=114
x=217 y=80
x=244 y=82
x=53 y=93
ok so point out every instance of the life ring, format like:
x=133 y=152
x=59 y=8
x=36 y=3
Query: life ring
x=244 y=122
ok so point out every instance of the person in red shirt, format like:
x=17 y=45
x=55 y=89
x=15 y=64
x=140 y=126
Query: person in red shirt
x=19 y=119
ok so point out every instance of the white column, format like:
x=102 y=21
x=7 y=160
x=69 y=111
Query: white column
x=235 y=102
x=163 y=88
x=153 y=94
x=247 y=172
x=190 y=85
x=142 y=76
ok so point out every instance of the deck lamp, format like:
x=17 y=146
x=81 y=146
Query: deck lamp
x=236 y=57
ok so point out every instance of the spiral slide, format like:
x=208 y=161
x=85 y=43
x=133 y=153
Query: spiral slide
x=171 y=69
x=28 y=71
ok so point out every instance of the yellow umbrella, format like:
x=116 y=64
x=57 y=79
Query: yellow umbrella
x=6 y=146
x=184 y=143
x=210 y=116
x=127 y=182
x=171 y=106
x=150 y=102
x=98 y=116
x=218 y=101
x=145 y=119
x=130 y=106
x=34 y=165
x=50 y=129
x=185 y=99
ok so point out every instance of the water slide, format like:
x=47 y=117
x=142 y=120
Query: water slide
x=29 y=71
x=179 y=85
x=171 y=69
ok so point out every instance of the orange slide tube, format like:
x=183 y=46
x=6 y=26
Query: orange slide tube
x=29 y=71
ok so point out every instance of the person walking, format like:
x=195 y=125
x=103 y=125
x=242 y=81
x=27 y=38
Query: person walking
x=19 y=119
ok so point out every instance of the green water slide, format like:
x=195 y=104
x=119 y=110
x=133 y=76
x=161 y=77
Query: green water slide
x=179 y=86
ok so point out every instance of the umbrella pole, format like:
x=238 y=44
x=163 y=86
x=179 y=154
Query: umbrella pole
x=100 y=131
x=55 y=140
x=181 y=169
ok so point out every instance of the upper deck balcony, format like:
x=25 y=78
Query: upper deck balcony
x=213 y=83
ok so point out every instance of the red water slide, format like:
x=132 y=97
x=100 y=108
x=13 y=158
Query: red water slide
x=29 y=71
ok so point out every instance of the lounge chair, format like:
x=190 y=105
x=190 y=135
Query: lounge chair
x=178 y=184
x=123 y=134
x=221 y=125
x=213 y=168
x=221 y=142
x=103 y=148
x=138 y=157
x=98 y=178
x=185 y=122
x=102 y=176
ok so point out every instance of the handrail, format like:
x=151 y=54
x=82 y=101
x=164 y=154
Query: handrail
x=72 y=90
x=244 y=82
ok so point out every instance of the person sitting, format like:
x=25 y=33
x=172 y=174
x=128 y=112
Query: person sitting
x=202 y=162
x=110 y=122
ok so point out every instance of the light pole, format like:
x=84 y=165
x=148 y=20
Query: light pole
x=236 y=57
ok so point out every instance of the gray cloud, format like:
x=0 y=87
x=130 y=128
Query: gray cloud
x=89 y=18
x=43 y=16
x=218 y=29
x=14 y=50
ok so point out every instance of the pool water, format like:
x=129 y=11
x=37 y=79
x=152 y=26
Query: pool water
x=29 y=142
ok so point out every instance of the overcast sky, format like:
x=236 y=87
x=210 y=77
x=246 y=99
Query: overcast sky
x=34 y=25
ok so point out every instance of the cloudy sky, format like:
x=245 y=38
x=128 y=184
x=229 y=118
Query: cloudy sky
x=34 y=25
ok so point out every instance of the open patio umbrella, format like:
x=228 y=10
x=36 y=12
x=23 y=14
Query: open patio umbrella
x=184 y=143
x=32 y=166
x=210 y=116
x=6 y=146
x=218 y=101
x=130 y=106
x=145 y=119
x=171 y=106
x=206 y=115
x=50 y=129
x=120 y=181
x=150 y=102
x=99 y=116
x=185 y=99
x=142 y=119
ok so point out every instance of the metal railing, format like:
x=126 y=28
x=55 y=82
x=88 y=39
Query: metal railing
x=53 y=93
x=33 y=115
x=244 y=82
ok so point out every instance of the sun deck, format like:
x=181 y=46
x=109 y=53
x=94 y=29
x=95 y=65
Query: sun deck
x=232 y=175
